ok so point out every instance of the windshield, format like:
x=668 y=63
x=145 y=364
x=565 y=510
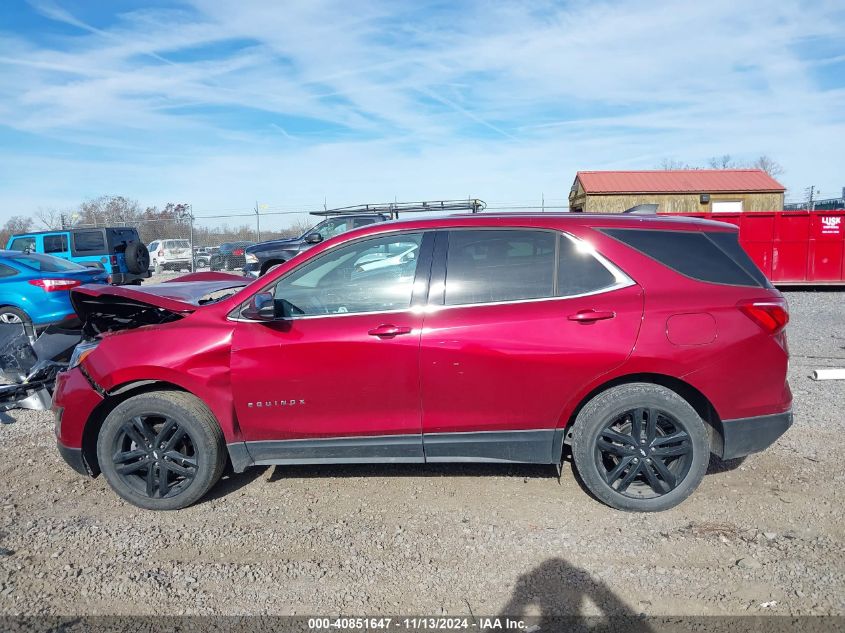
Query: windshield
x=330 y=228
x=45 y=263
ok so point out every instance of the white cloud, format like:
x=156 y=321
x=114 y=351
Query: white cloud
x=502 y=101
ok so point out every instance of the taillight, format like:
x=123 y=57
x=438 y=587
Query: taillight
x=238 y=252
x=113 y=260
x=54 y=285
x=770 y=314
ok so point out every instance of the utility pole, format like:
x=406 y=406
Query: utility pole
x=810 y=191
x=543 y=202
x=257 y=222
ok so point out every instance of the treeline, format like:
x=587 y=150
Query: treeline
x=153 y=223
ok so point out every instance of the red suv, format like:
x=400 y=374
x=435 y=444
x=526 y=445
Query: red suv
x=640 y=345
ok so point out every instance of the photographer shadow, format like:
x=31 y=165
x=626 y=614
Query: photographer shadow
x=553 y=597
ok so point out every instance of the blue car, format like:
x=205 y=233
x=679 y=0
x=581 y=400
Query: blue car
x=117 y=250
x=35 y=288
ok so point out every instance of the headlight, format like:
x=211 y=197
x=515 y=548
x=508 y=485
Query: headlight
x=251 y=258
x=81 y=351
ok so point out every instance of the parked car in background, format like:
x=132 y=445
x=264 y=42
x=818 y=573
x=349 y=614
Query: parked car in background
x=264 y=256
x=170 y=255
x=34 y=288
x=116 y=250
x=230 y=255
x=636 y=345
x=202 y=257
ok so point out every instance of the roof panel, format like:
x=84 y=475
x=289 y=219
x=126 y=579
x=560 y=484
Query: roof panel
x=678 y=181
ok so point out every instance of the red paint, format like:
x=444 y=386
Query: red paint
x=502 y=366
x=791 y=247
x=691 y=329
x=679 y=180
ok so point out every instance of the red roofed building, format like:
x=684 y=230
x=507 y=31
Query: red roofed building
x=676 y=191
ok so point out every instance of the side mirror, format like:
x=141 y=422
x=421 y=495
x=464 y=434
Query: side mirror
x=261 y=307
x=313 y=238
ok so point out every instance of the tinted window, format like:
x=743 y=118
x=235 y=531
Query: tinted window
x=729 y=242
x=492 y=265
x=690 y=253
x=22 y=244
x=55 y=243
x=579 y=272
x=364 y=221
x=372 y=275
x=7 y=271
x=89 y=242
x=45 y=263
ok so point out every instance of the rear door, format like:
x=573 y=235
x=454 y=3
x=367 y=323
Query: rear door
x=523 y=320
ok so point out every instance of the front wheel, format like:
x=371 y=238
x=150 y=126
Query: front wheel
x=640 y=447
x=161 y=450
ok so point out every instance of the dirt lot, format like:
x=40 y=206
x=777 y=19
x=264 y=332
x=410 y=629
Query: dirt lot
x=763 y=536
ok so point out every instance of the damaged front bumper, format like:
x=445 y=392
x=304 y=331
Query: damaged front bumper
x=29 y=365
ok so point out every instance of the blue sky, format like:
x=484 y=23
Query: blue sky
x=224 y=103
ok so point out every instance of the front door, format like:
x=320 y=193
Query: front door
x=527 y=320
x=336 y=376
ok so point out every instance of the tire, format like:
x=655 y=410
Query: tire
x=228 y=265
x=12 y=315
x=192 y=462
x=659 y=471
x=137 y=258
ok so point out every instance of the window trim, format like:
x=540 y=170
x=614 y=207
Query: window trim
x=621 y=279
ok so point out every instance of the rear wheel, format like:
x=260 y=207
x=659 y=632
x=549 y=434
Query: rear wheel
x=640 y=447
x=161 y=450
x=11 y=315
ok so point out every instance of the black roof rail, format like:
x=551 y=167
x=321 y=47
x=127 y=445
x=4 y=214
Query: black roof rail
x=392 y=209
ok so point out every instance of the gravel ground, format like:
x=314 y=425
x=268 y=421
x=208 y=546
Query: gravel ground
x=764 y=536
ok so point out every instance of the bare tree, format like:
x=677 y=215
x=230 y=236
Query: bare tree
x=723 y=162
x=50 y=219
x=768 y=165
x=674 y=164
x=15 y=224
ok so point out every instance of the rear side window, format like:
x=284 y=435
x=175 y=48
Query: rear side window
x=89 y=242
x=694 y=254
x=491 y=265
x=23 y=244
x=579 y=272
x=55 y=243
x=7 y=271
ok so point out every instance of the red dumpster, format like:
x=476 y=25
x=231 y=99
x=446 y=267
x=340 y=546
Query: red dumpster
x=791 y=247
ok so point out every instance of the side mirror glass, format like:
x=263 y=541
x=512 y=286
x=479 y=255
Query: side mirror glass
x=261 y=307
x=313 y=238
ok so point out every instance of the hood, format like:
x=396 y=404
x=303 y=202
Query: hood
x=274 y=244
x=104 y=308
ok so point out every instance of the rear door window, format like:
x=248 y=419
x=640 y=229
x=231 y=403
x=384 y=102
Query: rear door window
x=487 y=266
x=55 y=243
x=89 y=242
x=579 y=272
x=23 y=244
x=701 y=256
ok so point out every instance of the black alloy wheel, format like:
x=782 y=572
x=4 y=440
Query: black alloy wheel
x=644 y=453
x=640 y=447
x=155 y=455
x=161 y=450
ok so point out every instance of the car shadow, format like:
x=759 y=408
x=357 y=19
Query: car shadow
x=553 y=597
x=232 y=481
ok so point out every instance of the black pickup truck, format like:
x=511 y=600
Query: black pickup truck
x=263 y=256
